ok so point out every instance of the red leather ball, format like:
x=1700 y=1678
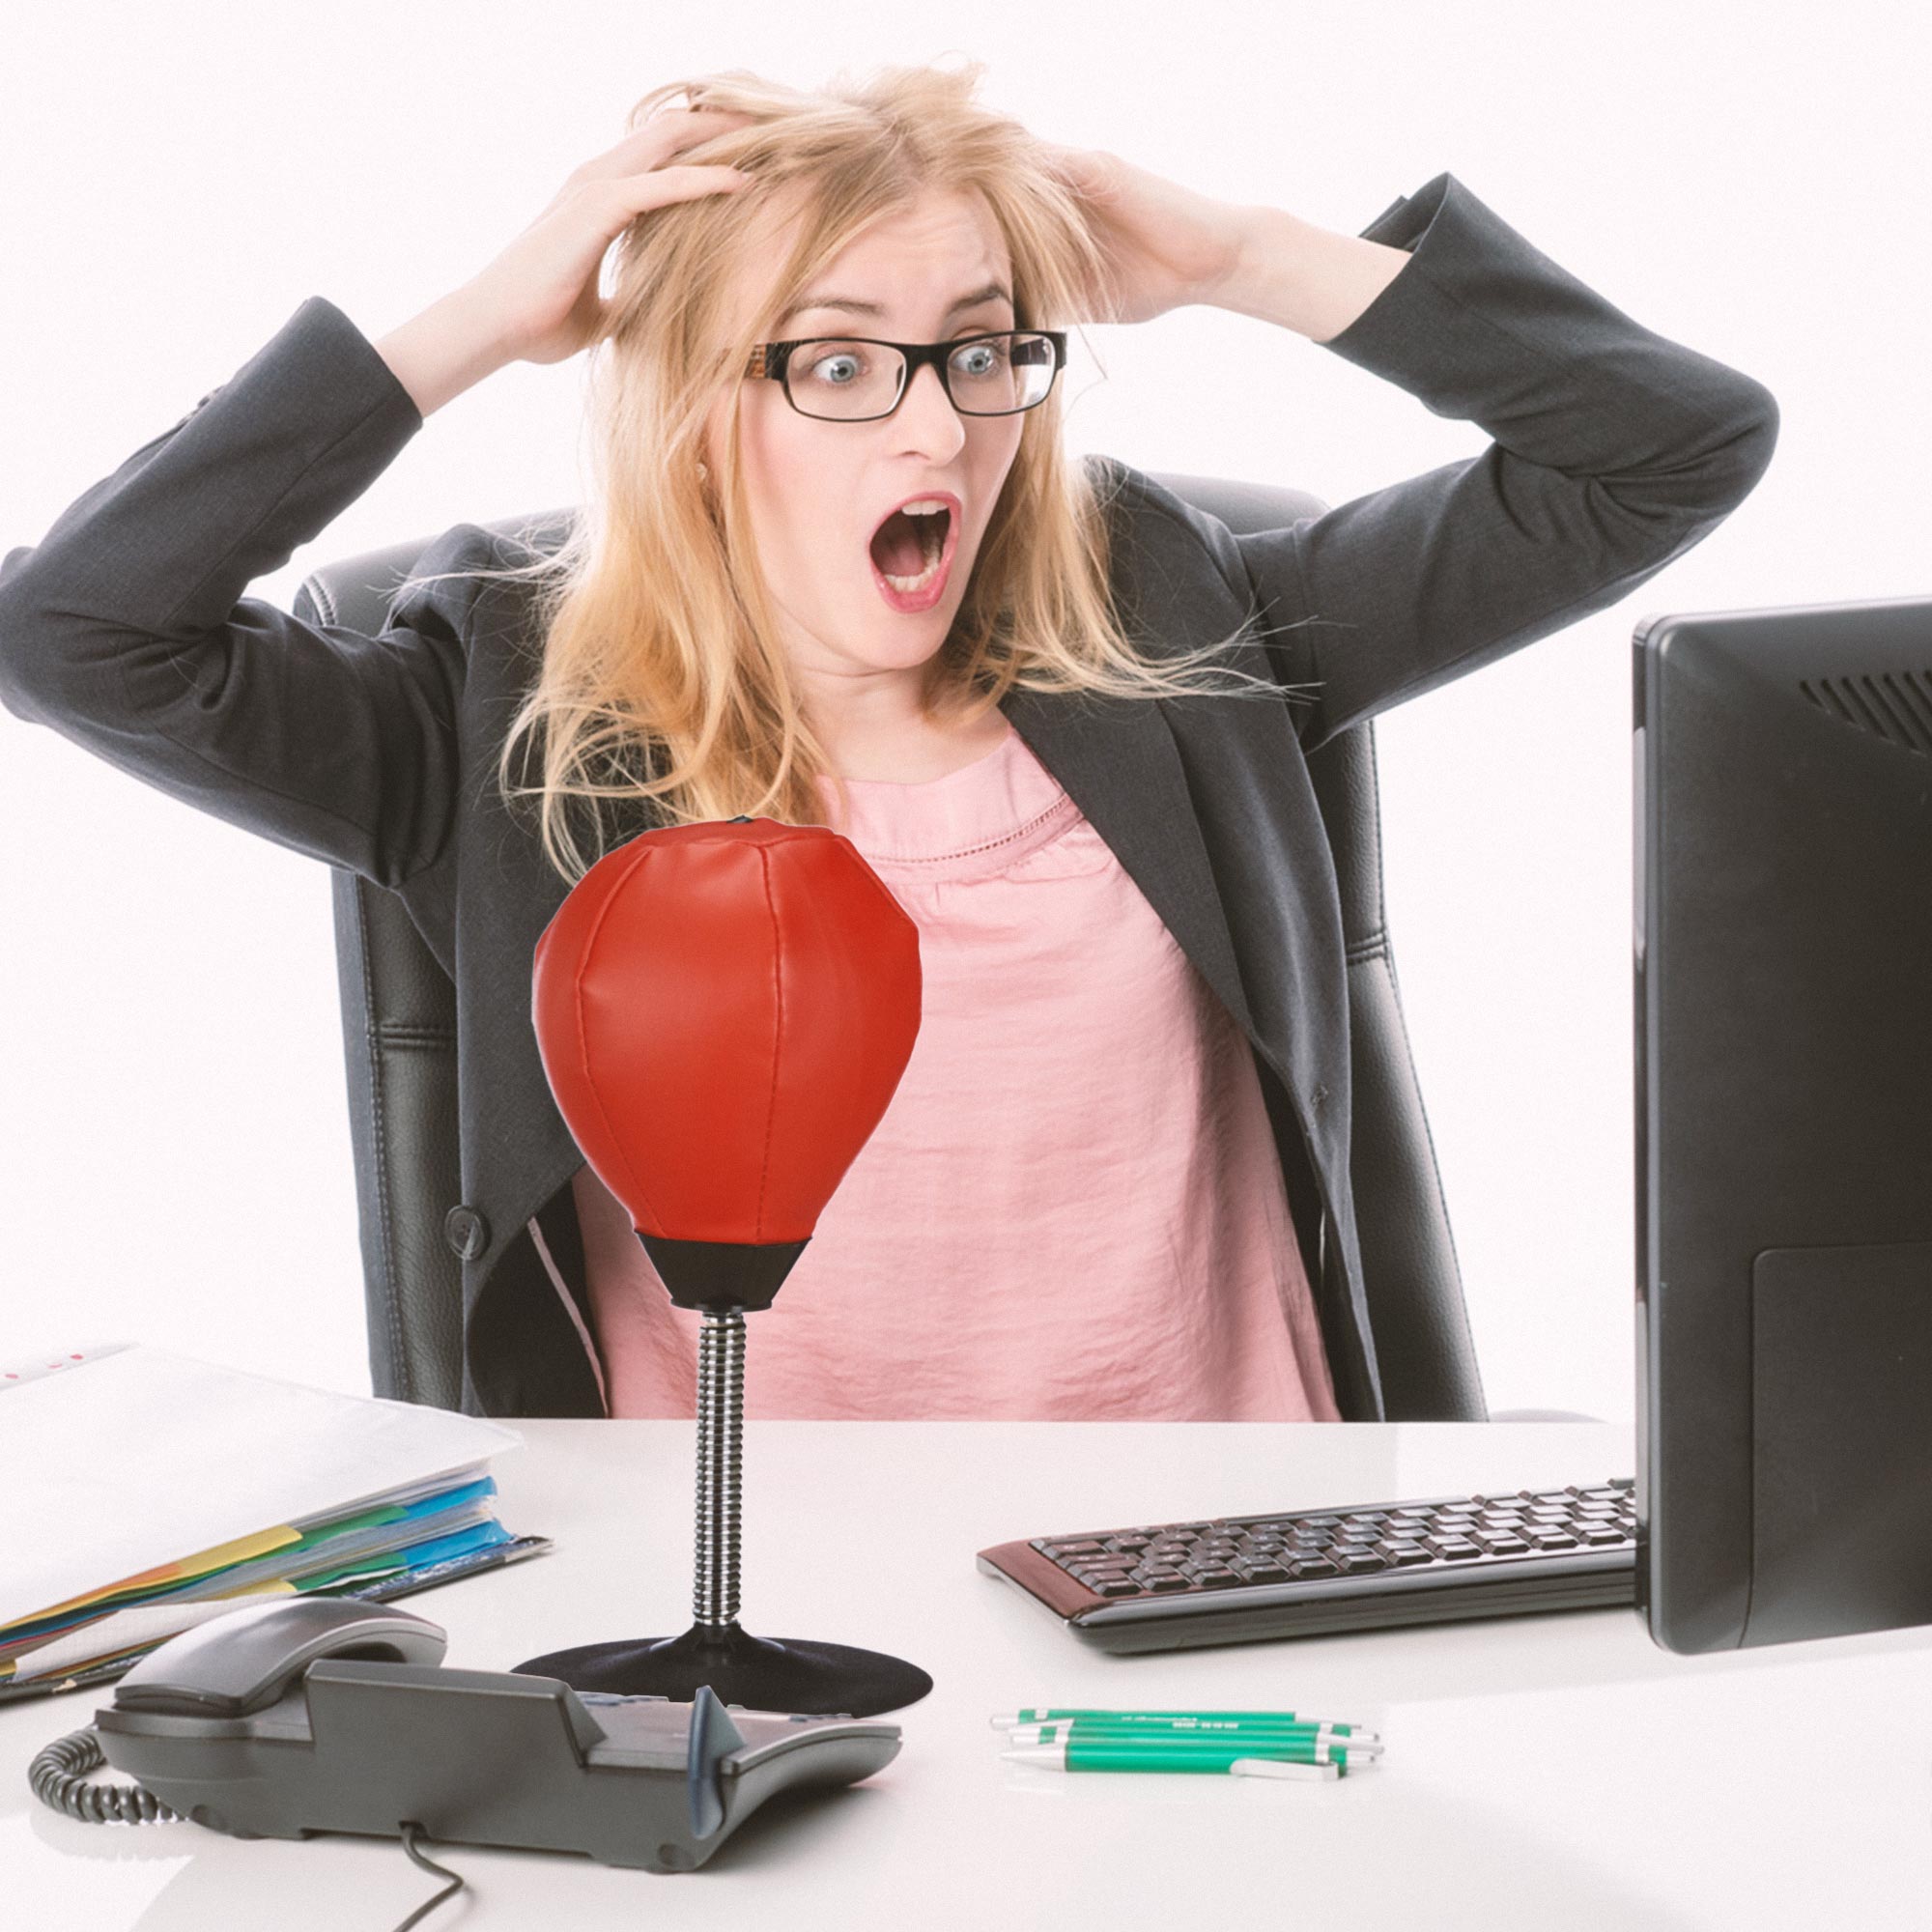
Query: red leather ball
x=724 y=1011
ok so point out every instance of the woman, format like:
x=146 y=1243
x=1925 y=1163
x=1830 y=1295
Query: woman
x=1114 y=1178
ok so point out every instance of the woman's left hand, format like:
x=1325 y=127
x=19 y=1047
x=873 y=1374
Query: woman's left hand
x=1164 y=244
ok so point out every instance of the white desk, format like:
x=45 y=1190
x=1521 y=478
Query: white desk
x=1556 y=1772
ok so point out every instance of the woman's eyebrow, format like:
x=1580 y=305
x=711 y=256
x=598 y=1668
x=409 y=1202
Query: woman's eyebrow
x=992 y=292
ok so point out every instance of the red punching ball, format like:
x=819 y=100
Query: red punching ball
x=724 y=1011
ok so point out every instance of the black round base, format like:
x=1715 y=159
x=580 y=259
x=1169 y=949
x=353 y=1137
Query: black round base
x=760 y=1673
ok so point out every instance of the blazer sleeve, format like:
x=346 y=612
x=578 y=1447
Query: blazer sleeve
x=125 y=629
x=1614 y=451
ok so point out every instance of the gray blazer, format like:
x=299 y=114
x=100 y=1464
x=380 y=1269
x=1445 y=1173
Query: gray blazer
x=127 y=630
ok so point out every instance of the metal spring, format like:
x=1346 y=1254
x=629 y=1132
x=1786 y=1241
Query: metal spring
x=721 y=1416
x=59 y=1778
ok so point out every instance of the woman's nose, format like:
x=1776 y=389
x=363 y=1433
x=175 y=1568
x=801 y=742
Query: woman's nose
x=927 y=410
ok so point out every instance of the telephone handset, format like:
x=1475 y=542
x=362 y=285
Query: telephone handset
x=316 y=1713
x=236 y=1665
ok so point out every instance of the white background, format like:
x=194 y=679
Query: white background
x=1747 y=179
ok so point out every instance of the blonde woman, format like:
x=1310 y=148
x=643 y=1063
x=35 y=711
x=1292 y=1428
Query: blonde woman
x=1063 y=715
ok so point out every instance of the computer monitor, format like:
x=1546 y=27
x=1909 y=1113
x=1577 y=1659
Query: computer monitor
x=1783 y=1008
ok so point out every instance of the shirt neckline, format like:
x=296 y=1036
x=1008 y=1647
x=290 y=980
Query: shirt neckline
x=1003 y=795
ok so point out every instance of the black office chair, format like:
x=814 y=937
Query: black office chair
x=399 y=1034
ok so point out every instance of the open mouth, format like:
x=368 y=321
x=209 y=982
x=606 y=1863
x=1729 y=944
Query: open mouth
x=909 y=550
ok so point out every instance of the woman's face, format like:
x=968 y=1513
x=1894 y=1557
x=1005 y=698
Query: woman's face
x=819 y=491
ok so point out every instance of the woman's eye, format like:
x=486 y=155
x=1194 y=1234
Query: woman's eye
x=976 y=358
x=837 y=368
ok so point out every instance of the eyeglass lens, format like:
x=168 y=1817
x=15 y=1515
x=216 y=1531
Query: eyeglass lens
x=987 y=376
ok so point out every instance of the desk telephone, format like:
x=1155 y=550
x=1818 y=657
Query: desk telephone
x=327 y=1715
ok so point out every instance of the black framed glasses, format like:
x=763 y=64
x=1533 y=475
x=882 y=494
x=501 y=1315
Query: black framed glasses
x=859 y=379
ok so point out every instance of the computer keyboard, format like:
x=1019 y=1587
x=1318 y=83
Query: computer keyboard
x=1303 y=1573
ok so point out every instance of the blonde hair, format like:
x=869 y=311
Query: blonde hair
x=663 y=676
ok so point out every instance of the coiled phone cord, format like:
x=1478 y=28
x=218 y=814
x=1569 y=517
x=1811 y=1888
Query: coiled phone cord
x=59 y=1776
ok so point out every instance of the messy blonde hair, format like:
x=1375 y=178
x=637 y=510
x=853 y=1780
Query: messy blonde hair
x=662 y=676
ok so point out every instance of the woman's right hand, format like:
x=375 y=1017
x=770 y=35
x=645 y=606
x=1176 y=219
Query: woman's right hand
x=539 y=298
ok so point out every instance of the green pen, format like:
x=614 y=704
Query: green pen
x=1007 y=1719
x=1164 y=1754
x=1259 y=1734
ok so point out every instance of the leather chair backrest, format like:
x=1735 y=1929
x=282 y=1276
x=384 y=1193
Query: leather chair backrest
x=399 y=1037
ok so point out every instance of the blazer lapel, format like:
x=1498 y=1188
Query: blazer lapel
x=1117 y=759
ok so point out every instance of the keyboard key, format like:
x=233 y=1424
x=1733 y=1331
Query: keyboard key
x=1163 y=1586
x=1405 y=1554
x=1267 y=1572
x=1215 y=1580
x=1357 y=1561
x=1551 y=1539
x=1502 y=1544
x=1313 y=1566
x=1454 y=1547
x=1116 y=1588
x=1605 y=1536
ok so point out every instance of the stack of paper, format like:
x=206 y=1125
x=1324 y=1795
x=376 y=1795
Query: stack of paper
x=146 y=1491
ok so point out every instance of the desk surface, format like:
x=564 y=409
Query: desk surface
x=1539 y=1770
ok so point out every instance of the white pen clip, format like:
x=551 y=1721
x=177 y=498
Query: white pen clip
x=1281 y=1767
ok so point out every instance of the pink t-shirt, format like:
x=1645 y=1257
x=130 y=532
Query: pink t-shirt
x=1072 y=1207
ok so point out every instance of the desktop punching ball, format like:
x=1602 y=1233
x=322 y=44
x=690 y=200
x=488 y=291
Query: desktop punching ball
x=724 y=1011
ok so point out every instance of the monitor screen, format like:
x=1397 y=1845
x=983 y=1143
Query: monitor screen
x=1783 y=1034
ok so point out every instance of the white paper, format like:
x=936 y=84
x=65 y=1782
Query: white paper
x=140 y=1457
x=122 y=1630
